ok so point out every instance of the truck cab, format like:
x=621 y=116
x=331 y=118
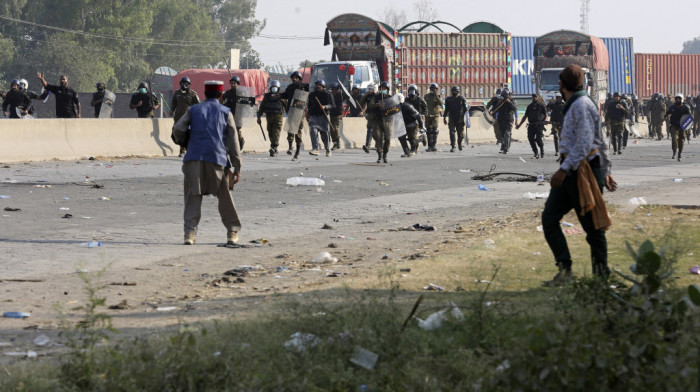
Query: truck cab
x=547 y=82
x=349 y=73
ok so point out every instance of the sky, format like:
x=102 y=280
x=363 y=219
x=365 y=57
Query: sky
x=655 y=27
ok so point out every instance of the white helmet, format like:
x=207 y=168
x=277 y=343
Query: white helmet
x=401 y=97
x=679 y=95
x=371 y=88
x=23 y=84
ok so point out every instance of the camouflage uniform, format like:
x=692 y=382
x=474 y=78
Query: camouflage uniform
x=370 y=116
x=230 y=100
x=181 y=101
x=273 y=107
x=615 y=115
x=658 y=109
x=455 y=111
x=435 y=105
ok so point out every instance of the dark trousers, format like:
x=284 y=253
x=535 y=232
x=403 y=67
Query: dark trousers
x=534 y=136
x=505 y=129
x=562 y=200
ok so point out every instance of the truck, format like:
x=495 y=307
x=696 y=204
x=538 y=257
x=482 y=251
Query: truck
x=556 y=50
x=477 y=62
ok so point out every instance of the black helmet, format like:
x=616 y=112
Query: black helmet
x=15 y=81
x=185 y=79
x=143 y=85
x=295 y=74
x=275 y=83
x=236 y=79
x=505 y=93
x=454 y=88
x=355 y=87
x=384 y=85
x=616 y=95
x=321 y=82
x=610 y=95
x=498 y=91
x=433 y=86
x=624 y=96
x=335 y=85
x=98 y=84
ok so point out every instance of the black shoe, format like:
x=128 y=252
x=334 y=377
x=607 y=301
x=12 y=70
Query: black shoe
x=452 y=149
x=460 y=146
x=674 y=156
x=384 y=158
x=365 y=149
x=272 y=152
x=679 y=157
x=562 y=278
x=556 y=154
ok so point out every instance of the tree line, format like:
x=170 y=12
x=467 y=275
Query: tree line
x=121 y=42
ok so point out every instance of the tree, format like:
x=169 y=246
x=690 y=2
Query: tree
x=251 y=60
x=692 y=46
x=310 y=63
x=425 y=10
x=394 y=16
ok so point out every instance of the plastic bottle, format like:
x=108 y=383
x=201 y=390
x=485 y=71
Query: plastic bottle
x=308 y=181
x=91 y=244
x=483 y=188
x=4 y=197
x=16 y=314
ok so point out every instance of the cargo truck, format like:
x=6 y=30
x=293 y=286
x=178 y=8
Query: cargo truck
x=479 y=63
x=556 y=50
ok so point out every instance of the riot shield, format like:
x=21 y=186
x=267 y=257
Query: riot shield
x=107 y=104
x=392 y=117
x=27 y=116
x=686 y=122
x=245 y=107
x=350 y=98
x=296 y=111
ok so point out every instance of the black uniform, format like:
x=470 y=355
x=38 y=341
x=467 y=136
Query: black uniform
x=455 y=110
x=318 y=122
x=412 y=120
x=66 y=101
x=556 y=117
x=13 y=100
x=288 y=94
x=536 y=114
x=96 y=102
x=615 y=115
x=355 y=111
x=490 y=106
x=677 y=133
x=149 y=101
x=506 y=117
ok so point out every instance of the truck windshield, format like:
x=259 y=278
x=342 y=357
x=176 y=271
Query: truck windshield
x=329 y=73
x=549 y=80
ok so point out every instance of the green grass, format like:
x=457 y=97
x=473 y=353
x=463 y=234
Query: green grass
x=515 y=335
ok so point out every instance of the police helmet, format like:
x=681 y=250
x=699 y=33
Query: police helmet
x=434 y=86
x=498 y=91
x=624 y=96
x=321 y=82
x=635 y=97
x=384 y=84
x=355 y=86
x=401 y=97
x=15 y=81
x=616 y=95
x=557 y=95
x=142 y=85
x=661 y=96
x=454 y=88
x=678 y=95
x=295 y=74
x=98 y=84
x=412 y=87
x=185 y=79
x=23 y=84
x=236 y=79
x=275 y=83
x=335 y=85
x=610 y=95
x=371 y=88
x=655 y=95
x=505 y=93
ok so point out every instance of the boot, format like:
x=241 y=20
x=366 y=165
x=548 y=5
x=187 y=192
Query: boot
x=296 y=154
x=423 y=139
x=272 y=152
x=414 y=147
x=384 y=156
x=452 y=142
x=336 y=146
x=290 y=151
x=404 y=145
x=459 y=143
x=379 y=157
x=231 y=238
x=189 y=238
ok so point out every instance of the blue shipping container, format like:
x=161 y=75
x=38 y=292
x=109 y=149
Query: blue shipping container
x=621 y=77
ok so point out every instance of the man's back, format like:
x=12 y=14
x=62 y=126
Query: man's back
x=207 y=140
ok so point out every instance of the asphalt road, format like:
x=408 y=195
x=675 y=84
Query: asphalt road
x=142 y=220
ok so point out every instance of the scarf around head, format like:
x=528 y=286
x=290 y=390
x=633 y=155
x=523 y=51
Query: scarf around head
x=570 y=101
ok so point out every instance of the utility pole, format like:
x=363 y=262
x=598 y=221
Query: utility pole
x=585 y=8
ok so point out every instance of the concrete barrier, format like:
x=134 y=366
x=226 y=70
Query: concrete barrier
x=68 y=139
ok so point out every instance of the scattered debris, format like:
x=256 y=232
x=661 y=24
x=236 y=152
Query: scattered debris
x=305 y=181
x=492 y=176
x=677 y=180
x=23 y=280
x=533 y=196
x=12 y=209
x=435 y=320
x=364 y=358
x=326 y=226
x=567 y=224
x=332 y=245
x=105 y=198
x=260 y=241
x=695 y=270
x=420 y=227
x=166 y=308
x=433 y=287
x=42 y=186
x=574 y=231
x=482 y=188
x=465 y=171
x=28 y=354
x=22 y=315
x=243 y=270
x=301 y=341
x=67 y=216
x=404 y=270
x=123 y=284
x=382 y=183
x=120 y=306
x=324 y=257
x=637 y=201
x=97 y=186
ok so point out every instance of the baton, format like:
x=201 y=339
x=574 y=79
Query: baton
x=263 y=132
x=326 y=114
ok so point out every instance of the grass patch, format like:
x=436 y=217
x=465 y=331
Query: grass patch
x=514 y=335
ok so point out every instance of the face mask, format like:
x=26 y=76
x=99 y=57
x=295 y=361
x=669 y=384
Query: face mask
x=185 y=87
x=142 y=90
x=385 y=92
x=274 y=89
x=454 y=93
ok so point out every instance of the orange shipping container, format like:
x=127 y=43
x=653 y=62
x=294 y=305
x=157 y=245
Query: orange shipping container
x=667 y=74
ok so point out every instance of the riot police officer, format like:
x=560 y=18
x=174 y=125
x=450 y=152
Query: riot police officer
x=355 y=111
x=435 y=105
x=320 y=103
x=382 y=134
x=288 y=96
x=455 y=110
x=97 y=98
x=273 y=107
x=370 y=116
x=144 y=102
x=183 y=99
x=556 y=118
x=505 y=115
x=336 y=114
x=536 y=115
x=674 y=114
x=230 y=100
x=491 y=107
x=615 y=115
x=418 y=135
x=413 y=121
x=15 y=101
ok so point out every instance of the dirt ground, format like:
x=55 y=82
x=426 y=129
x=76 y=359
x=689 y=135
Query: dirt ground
x=363 y=216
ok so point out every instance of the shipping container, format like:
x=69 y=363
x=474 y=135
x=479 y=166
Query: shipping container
x=667 y=74
x=478 y=63
x=523 y=65
x=621 y=71
x=621 y=75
